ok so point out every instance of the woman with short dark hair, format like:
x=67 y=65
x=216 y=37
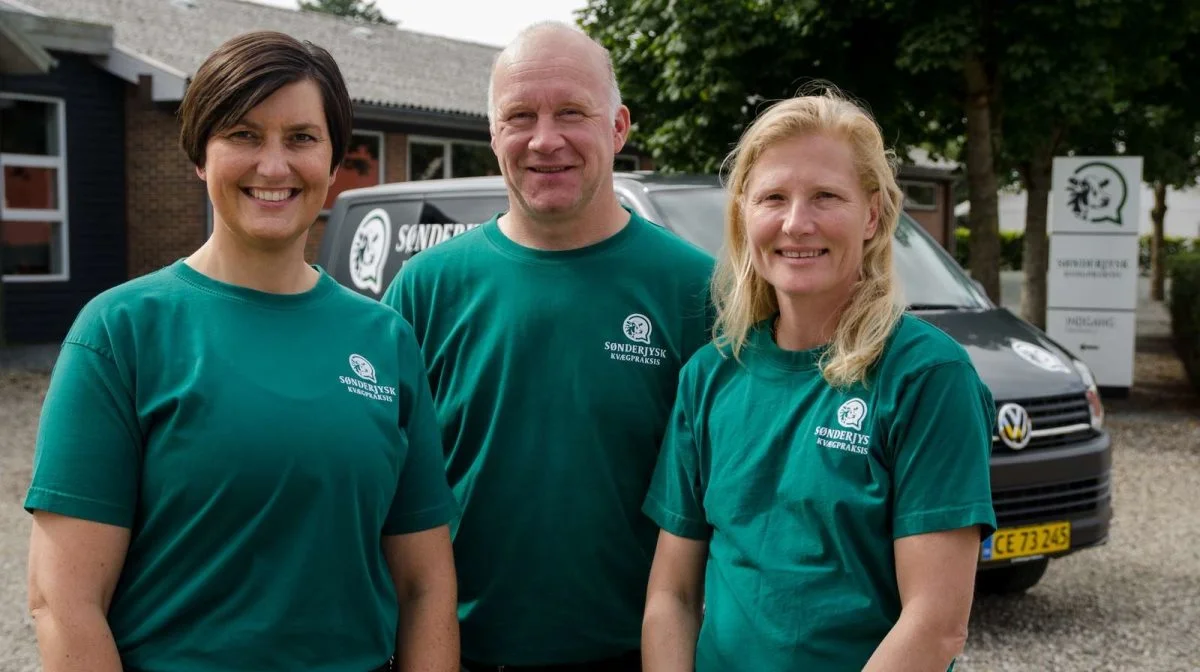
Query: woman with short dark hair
x=238 y=464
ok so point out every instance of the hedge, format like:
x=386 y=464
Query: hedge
x=1012 y=248
x=1184 y=304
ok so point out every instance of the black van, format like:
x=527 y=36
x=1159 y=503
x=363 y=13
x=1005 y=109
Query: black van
x=1051 y=457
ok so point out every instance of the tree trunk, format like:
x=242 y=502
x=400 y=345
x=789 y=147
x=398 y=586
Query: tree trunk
x=984 y=219
x=1157 y=263
x=1036 y=252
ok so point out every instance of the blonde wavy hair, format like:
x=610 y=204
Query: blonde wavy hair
x=743 y=298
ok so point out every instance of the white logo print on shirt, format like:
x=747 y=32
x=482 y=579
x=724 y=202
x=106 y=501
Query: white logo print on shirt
x=637 y=328
x=366 y=371
x=849 y=415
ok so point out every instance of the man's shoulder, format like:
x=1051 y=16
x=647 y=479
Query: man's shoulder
x=669 y=246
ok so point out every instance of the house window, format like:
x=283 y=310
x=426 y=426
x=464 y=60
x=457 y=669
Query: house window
x=362 y=167
x=437 y=159
x=33 y=182
x=625 y=162
x=919 y=195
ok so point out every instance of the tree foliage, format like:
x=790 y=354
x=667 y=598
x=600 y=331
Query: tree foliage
x=363 y=10
x=1001 y=87
x=696 y=73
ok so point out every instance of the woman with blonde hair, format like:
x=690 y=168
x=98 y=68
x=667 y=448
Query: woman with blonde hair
x=823 y=486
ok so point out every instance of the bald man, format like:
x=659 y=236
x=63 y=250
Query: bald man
x=553 y=336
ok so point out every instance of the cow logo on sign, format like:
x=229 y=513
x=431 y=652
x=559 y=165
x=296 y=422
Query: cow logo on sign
x=369 y=249
x=1096 y=193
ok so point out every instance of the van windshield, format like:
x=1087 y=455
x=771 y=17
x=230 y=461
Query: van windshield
x=929 y=277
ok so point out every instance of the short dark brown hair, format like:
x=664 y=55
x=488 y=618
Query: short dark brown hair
x=244 y=72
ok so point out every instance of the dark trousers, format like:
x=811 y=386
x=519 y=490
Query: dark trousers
x=626 y=662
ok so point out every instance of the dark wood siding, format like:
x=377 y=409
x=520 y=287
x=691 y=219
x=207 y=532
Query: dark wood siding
x=41 y=312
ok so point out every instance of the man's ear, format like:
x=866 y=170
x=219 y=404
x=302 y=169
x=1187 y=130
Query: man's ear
x=620 y=128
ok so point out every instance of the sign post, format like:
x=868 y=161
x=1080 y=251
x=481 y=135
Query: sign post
x=1092 y=287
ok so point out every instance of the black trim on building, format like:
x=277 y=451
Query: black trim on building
x=94 y=105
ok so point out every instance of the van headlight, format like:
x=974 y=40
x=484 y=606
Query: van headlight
x=1095 y=405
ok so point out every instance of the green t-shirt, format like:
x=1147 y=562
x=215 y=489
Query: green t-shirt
x=801 y=488
x=553 y=374
x=258 y=446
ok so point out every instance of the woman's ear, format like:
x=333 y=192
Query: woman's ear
x=873 y=217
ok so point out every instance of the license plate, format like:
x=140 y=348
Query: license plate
x=1020 y=542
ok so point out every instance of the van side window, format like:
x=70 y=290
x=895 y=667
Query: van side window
x=443 y=218
x=462 y=209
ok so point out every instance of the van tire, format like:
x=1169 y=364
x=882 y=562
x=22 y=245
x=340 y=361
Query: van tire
x=1013 y=579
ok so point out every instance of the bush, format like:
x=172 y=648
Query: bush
x=1172 y=246
x=1184 y=304
x=1012 y=248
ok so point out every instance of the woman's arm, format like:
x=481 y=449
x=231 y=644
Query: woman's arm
x=74 y=565
x=674 y=604
x=422 y=567
x=936 y=575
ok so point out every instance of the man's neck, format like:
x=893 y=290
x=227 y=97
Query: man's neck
x=282 y=271
x=595 y=224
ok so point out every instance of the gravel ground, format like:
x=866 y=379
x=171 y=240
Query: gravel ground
x=1131 y=605
x=20 y=401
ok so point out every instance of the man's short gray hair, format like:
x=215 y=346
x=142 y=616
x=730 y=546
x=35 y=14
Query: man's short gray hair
x=550 y=27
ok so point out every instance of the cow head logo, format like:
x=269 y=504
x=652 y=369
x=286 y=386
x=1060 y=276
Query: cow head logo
x=362 y=368
x=850 y=414
x=1096 y=193
x=637 y=328
x=369 y=249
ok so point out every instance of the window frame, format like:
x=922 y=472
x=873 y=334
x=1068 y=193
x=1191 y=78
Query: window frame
x=904 y=187
x=58 y=216
x=382 y=164
x=447 y=153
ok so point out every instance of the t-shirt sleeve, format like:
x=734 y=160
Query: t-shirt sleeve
x=89 y=443
x=700 y=312
x=676 y=498
x=941 y=442
x=400 y=294
x=423 y=497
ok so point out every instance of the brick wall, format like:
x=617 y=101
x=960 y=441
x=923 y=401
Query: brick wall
x=165 y=201
x=395 y=164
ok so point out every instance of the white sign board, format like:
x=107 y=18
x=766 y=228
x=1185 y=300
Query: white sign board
x=1104 y=340
x=1092 y=284
x=1096 y=195
x=1093 y=271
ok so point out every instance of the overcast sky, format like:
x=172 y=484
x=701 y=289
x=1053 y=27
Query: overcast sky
x=486 y=21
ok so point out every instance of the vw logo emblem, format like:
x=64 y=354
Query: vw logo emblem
x=1014 y=425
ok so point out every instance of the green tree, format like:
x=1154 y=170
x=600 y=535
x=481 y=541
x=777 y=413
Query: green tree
x=695 y=74
x=1001 y=87
x=363 y=10
x=1168 y=139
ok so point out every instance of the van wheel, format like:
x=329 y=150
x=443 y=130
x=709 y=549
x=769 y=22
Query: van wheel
x=1013 y=579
